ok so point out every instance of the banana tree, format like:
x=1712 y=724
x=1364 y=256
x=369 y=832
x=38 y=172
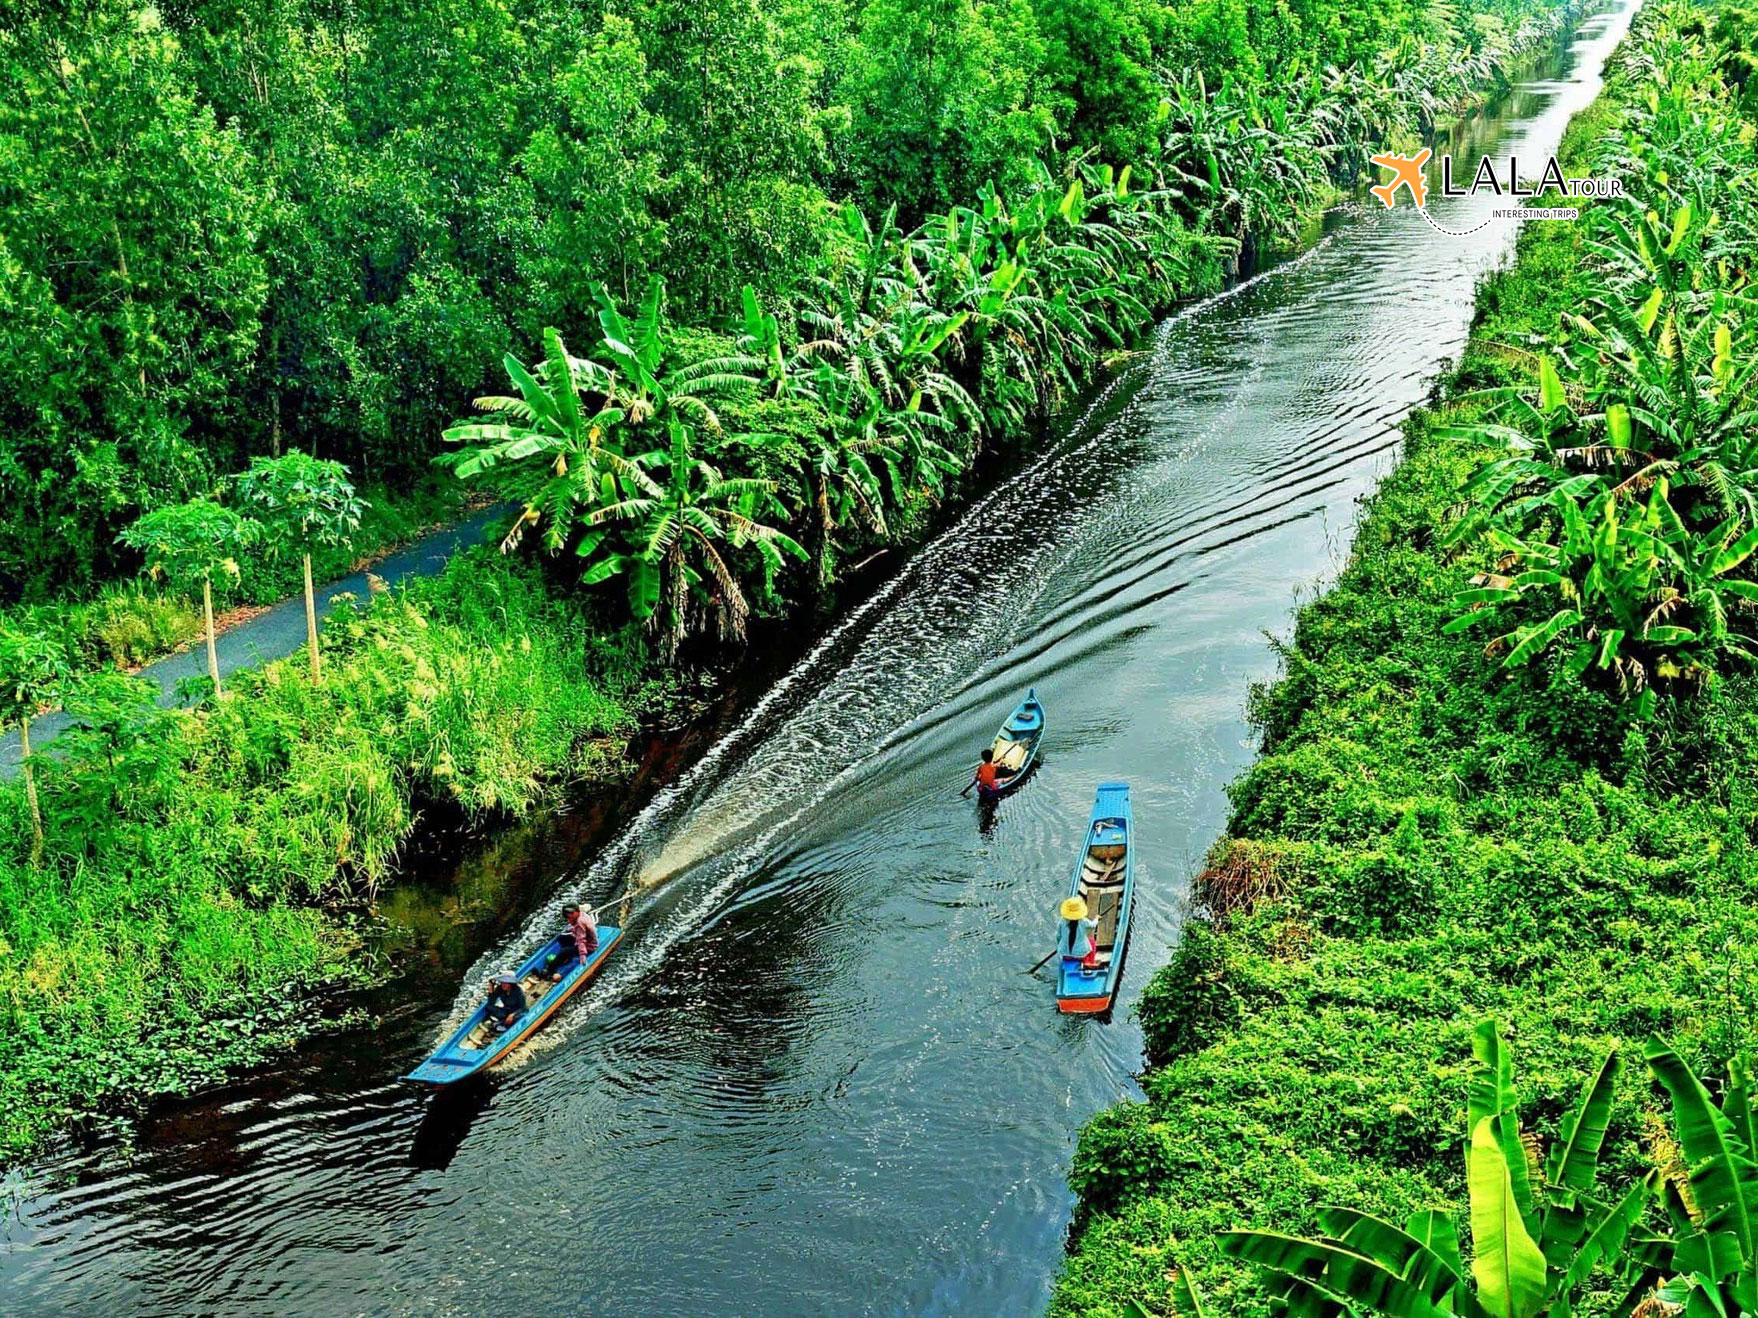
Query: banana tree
x=671 y=541
x=1708 y=1261
x=843 y=461
x=641 y=379
x=557 y=448
x=1642 y=596
x=1686 y=360
x=1539 y=1229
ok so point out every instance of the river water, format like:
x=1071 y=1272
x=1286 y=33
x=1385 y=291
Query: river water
x=816 y=1079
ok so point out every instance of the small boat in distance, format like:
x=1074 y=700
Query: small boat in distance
x=476 y=1045
x=1016 y=745
x=1097 y=907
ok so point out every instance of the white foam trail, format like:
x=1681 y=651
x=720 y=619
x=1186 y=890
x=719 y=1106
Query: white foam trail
x=774 y=764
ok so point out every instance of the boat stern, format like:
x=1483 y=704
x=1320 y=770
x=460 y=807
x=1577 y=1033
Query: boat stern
x=1083 y=1005
x=1080 y=994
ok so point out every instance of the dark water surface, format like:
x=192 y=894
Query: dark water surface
x=816 y=1079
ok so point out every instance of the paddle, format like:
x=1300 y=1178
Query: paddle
x=1035 y=969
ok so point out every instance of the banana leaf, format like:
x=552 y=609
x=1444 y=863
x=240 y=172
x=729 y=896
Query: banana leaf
x=1574 y=1157
x=1367 y=1283
x=1723 y=1177
x=1506 y=1261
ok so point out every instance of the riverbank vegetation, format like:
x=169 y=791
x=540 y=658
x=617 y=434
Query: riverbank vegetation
x=128 y=623
x=1553 y=831
x=743 y=289
x=206 y=870
x=234 y=228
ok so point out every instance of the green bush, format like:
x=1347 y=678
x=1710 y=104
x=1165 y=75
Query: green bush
x=1190 y=1004
x=201 y=867
x=1456 y=842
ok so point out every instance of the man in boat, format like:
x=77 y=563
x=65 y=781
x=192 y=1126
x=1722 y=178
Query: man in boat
x=988 y=777
x=506 y=1000
x=575 y=944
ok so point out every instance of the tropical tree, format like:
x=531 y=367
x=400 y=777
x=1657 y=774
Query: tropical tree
x=642 y=375
x=303 y=503
x=1707 y=1259
x=671 y=541
x=561 y=447
x=1637 y=593
x=33 y=673
x=1539 y=1226
x=189 y=543
x=563 y=440
x=842 y=462
x=1628 y=499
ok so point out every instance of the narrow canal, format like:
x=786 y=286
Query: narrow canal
x=817 y=1078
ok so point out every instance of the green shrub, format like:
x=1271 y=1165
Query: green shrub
x=1189 y=1004
x=194 y=859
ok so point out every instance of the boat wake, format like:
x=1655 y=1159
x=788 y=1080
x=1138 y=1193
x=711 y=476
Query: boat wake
x=930 y=643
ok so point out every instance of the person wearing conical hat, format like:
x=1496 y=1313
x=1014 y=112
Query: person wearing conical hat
x=1079 y=933
x=506 y=1000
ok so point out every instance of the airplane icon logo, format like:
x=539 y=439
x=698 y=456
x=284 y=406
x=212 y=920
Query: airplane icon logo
x=1406 y=173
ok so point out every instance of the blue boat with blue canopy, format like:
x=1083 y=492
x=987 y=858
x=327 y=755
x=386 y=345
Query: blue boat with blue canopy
x=477 y=1045
x=1016 y=746
x=1093 y=929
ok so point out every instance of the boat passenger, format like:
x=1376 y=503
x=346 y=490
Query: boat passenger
x=506 y=1000
x=576 y=943
x=1079 y=934
x=987 y=777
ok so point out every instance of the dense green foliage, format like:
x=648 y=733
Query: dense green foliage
x=230 y=229
x=811 y=259
x=1542 y=1228
x=1625 y=517
x=1429 y=837
x=187 y=851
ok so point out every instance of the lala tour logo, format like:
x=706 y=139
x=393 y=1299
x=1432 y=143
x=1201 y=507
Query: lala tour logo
x=1407 y=176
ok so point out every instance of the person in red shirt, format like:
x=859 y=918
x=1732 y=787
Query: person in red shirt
x=987 y=778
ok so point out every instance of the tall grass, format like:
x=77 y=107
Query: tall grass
x=202 y=866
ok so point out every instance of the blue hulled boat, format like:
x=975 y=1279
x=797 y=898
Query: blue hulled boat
x=1094 y=925
x=476 y=1045
x=1016 y=745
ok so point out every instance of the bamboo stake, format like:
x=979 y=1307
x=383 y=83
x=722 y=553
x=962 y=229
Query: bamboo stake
x=207 y=610
x=311 y=624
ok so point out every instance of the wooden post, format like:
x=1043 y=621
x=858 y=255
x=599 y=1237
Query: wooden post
x=311 y=623
x=30 y=792
x=207 y=609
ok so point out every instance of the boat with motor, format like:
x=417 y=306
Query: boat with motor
x=477 y=1045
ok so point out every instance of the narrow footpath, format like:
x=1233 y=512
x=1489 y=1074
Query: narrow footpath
x=276 y=633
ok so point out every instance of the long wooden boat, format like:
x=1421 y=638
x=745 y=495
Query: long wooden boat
x=476 y=1045
x=1098 y=906
x=1016 y=745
